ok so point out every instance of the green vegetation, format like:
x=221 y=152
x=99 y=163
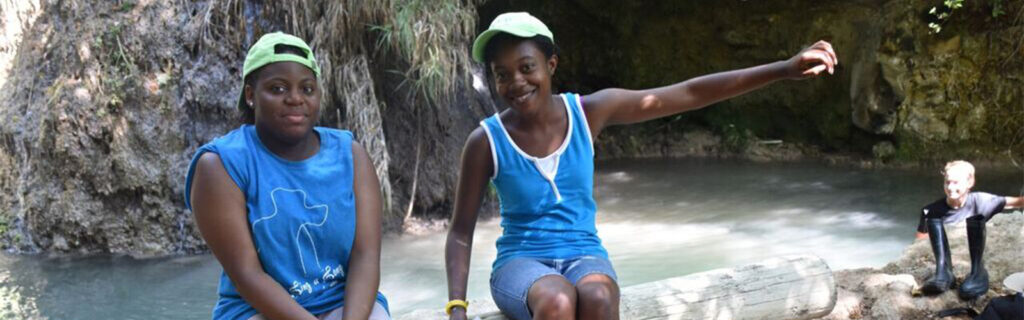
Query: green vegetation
x=423 y=32
x=118 y=67
x=429 y=37
x=4 y=225
x=942 y=16
x=736 y=139
x=126 y=6
x=945 y=11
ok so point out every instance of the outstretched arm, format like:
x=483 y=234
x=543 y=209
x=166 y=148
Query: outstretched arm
x=219 y=208
x=1014 y=202
x=476 y=169
x=620 y=106
x=363 y=277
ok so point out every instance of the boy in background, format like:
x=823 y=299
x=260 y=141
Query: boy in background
x=960 y=204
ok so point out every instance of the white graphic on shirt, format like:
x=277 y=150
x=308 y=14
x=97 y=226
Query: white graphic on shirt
x=330 y=274
x=303 y=229
x=329 y=279
x=299 y=288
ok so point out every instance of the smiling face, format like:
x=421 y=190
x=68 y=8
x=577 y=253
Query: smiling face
x=522 y=74
x=958 y=182
x=286 y=100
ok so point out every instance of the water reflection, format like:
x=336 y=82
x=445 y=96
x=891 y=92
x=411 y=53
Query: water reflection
x=14 y=302
x=108 y=287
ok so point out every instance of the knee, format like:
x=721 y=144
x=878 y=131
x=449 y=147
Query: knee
x=598 y=292
x=553 y=298
x=557 y=305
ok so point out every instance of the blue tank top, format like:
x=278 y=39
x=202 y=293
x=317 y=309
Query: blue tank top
x=301 y=216
x=546 y=214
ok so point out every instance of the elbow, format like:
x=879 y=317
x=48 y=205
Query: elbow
x=364 y=268
x=365 y=257
x=457 y=244
x=456 y=236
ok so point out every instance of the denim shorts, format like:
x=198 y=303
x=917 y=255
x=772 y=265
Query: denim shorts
x=511 y=283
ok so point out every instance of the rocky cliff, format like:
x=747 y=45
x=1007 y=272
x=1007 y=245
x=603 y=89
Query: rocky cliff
x=901 y=91
x=104 y=102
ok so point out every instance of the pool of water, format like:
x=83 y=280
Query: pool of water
x=657 y=218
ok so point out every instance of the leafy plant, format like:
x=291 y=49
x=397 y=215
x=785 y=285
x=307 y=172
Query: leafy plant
x=422 y=32
x=736 y=139
x=944 y=12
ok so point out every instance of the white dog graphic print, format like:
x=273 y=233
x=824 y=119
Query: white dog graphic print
x=314 y=217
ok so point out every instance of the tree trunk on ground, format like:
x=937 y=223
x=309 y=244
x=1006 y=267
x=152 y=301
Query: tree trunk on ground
x=791 y=287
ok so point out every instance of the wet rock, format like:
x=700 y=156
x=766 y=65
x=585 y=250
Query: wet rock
x=886 y=293
x=883 y=150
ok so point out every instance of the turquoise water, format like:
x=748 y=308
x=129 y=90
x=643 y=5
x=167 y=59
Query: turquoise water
x=658 y=218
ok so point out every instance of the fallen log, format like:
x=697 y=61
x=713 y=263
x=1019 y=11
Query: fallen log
x=790 y=287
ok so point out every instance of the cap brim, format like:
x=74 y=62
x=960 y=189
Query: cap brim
x=480 y=44
x=1015 y=282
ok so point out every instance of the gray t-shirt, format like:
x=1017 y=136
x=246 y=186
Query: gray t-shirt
x=977 y=204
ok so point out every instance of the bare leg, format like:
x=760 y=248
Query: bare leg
x=598 y=297
x=552 y=297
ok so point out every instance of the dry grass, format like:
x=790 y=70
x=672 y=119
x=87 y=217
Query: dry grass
x=419 y=31
x=434 y=36
x=222 y=23
x=364 y=117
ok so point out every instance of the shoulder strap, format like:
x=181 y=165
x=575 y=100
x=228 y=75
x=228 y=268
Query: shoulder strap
x=487 y=125
x=580 y=116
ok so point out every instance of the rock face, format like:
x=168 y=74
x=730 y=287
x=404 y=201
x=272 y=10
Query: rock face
x=105 y=102
x=97 y=129
x=886 y=293
x=899 y=89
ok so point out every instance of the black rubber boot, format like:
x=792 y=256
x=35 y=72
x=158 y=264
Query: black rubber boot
x=943 y=278
x=976 y=284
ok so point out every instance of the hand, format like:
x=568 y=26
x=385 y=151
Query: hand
x=458 y=314
x=812 y=61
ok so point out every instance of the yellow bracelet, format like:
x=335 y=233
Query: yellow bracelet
x=455 y=303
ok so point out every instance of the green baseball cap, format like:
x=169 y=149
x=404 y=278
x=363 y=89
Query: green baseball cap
x=262 y=53
x=520 y=24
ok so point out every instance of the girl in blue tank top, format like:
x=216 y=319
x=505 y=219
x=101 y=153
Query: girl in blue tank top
x=291 y=211
x=539 y=154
